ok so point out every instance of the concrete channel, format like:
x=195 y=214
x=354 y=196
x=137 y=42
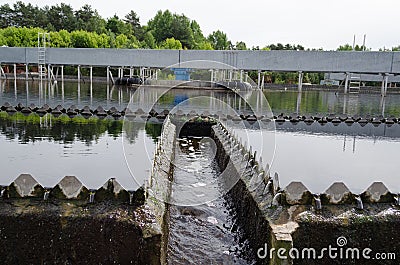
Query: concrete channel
x=71 y=224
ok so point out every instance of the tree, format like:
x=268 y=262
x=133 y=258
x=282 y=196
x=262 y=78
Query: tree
x=90 y=20
x=240 y=46
x=60 y=39
x=346 y=47
x=133 y=19
x=24 y=15
x=280 y=46
x=83 y=39
x=6 y=16
x=219 y=40
x=121 y=41
x=61 y=17
x=205 y=46
x=167 y=25
x=198 y=38
x=160 y=26
x=117 y=26
x=149 y=41
x=171 y=44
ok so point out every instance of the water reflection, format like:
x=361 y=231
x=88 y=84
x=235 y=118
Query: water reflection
x=50 y=148
x=95 y=94
x=325 y=102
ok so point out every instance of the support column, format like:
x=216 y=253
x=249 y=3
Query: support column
x=346 y=83
x=62 y=73
x=130 y=72
x=300 y=82
x=26 y=71
x=384 y=84
x=49 y=72
x=91 y=74
x=259 y=79
x=212 y=75
x=241 y=76
x=15 y=71
x=262 y=81
x=79 y=73
x=108 y=74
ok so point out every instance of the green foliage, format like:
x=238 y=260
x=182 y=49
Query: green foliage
x=348 y=47
x=83 y=39
x=219 y=40
x=149 y=41
x=117 y=26
x=61 y=17
x=280 y=46
x=84 y=28
x=166 y=25
x=61 y=39
x=171 y=44
x=396 y=49
x=240 y=45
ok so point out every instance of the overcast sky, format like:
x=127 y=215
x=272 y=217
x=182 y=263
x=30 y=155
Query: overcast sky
x=311 y=23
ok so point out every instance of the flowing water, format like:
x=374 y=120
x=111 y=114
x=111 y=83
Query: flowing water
x=203 y=233
x=95 y=150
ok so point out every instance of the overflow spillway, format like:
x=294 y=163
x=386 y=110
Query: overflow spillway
x=158 y=224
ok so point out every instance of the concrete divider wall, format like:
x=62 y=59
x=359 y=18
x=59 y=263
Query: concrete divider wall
x=293 y=217
x=160 y=183
x=71 y=224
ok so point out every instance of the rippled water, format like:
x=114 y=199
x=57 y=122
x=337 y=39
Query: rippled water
x=204 y=233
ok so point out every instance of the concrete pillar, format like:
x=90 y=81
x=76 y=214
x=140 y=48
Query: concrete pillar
x=346 y=83
x=259 y=79
x=62 y=73
x=49 y=72
x=27 y=92
x=262 y=81
x=130 y=72
x=26 y=71
x=298 y=103
x=384 y=85
x=241 y=76
x=15 y=71
x=79 y=73
x=230 y=75
x=212 y=75
x=156 y=74
x=300 y=82
x=91 y=74
x=79 y=93
x=62 y=90
x=383 y=105
x=108 y=74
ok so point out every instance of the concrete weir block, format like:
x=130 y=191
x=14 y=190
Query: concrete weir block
x=70 y=188
x=112 y=190
x=377 y=193
x=25 y=186
x=297 y=193
x=337 y=193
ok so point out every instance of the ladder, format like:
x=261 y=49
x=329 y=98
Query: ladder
x=355 y=83
x=43 y=43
